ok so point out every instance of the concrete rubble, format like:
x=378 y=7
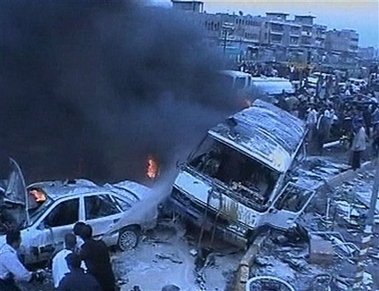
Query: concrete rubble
x=168 y=255
x=334 y=223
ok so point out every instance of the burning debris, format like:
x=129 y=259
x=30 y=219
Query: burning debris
x=152 y=170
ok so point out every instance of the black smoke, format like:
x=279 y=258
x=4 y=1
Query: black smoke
x=90 y=88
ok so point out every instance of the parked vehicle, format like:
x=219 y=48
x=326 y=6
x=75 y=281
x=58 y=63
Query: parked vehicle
x=46 y=211
x=239 y=86
x=237 y=80
x=239 y=178
x=273 y=85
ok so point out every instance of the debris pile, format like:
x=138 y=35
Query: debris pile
x=327 y=258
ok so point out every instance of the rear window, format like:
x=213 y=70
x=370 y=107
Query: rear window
x=240 y=83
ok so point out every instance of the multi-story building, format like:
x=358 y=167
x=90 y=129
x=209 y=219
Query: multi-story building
x=306 y=22
x=343 y=41
x=188 y=5
x=275 y=36
x=367 y=53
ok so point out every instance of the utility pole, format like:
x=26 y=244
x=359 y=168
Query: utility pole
x=226 y=27
x=225 y=36
x=368 y=233
x=374 y=197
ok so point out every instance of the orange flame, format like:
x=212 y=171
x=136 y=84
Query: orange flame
x=152 y=168
x=38 y=195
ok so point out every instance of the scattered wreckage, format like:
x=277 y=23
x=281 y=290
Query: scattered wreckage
x=239 y=179
x=46 y=211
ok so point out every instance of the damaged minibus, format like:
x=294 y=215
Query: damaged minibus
x=239 y=178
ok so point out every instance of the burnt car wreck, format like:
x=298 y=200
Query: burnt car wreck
x=45 y=211
x=240 y=176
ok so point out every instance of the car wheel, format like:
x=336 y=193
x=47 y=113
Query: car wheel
x=128 y=238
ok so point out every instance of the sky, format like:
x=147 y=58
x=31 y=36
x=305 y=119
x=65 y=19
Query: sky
x=361 y=15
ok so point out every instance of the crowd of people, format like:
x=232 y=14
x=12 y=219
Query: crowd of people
x=350 y=116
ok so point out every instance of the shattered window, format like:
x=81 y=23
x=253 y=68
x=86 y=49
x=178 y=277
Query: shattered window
x=99 y=206
x=124 y=205
x=65 y=213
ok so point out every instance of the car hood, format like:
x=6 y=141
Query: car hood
x=144 y=210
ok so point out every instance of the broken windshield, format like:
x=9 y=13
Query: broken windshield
x=248 y=178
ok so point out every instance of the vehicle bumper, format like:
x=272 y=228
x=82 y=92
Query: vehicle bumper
x=196 y=214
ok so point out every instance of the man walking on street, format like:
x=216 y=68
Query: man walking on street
x=359 y=145
x=311 y=123
x=323 y=130
x=11 y=268
x=76 y=279
x=95 y=254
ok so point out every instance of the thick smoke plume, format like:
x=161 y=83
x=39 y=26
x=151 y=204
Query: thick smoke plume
x=90 y=88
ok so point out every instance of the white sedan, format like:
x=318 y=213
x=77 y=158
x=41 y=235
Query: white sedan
x=117 y=212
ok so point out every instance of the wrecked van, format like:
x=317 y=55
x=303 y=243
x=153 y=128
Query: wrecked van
x=239 y=178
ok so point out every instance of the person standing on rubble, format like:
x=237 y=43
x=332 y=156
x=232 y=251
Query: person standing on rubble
x=359 y=145
x=95 y=255
x=11 y=268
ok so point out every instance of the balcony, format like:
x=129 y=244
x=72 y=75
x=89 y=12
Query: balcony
x=276 y=32
x=294 y=44
x=295 y=33
x=306 y=33
x=320 y=36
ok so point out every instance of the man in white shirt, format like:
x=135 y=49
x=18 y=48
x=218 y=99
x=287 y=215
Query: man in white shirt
x=59 y=266
x=359 y=145
x=11 y=269
x=311 y=122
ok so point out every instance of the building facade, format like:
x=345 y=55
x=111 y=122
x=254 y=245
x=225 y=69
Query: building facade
x=272 y=37
x=188 y=5
x=344 y=41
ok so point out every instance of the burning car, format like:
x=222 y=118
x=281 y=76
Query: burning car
x=46 y=211
x=239 y=178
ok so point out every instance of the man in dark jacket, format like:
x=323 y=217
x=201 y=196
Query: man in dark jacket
x=76 y=279
x=95 y=255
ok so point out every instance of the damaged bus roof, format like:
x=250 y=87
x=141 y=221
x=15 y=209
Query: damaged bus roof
x=265 y=133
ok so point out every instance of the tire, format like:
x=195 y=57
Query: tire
x=128 y=238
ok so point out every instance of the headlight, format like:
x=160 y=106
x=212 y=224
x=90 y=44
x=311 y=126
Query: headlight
x=238 y=228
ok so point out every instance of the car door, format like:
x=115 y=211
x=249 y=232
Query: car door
x=101 y=212
x=53 y=226
x=14 y=191
x=288 y=206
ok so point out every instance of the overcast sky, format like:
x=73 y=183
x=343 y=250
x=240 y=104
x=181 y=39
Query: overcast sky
x=361 y=15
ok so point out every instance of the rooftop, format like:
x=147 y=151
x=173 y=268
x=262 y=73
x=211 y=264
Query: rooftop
x=277 y=13
x=265 y=133
x=305 y=16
